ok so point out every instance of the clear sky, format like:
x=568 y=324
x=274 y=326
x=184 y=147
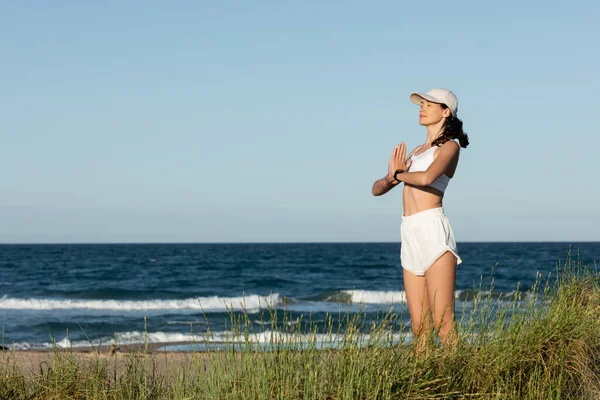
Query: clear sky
x=254 y=121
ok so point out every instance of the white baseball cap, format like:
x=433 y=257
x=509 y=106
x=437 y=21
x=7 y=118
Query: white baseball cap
x=438 y=95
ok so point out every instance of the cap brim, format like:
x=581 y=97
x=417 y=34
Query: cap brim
x=418 y=97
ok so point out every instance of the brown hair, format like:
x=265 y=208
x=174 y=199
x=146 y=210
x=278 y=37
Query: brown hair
x=452 y=130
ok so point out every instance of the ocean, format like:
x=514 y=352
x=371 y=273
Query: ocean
x=82 y=294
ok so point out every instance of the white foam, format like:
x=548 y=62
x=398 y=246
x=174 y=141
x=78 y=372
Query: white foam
x=65 y=343
x=152 y=337
x=265 y=337
x=250 y=303
x=134 y=337
x=376 y=297
x=383 y=297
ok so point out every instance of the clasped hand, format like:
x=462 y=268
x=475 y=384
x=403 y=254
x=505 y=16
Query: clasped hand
x=397 y=161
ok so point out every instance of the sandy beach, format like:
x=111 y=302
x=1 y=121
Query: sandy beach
x=165 y=361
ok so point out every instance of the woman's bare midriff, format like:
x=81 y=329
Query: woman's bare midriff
x=420 y=198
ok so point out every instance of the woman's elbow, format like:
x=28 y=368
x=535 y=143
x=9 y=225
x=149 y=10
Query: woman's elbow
x=427 y=180
x=376 y=190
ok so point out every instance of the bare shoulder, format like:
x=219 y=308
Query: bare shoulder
x=450 y=150
x=450 y=147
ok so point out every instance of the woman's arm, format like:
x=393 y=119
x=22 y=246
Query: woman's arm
x=447 y=152
x=388 y=182
x=384 y=185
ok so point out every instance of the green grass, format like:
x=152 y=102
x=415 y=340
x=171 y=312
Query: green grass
x=542 y=344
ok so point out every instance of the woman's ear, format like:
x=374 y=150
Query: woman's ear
x=446 y=113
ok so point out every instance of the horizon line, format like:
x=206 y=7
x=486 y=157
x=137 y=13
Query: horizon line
x=287 y=242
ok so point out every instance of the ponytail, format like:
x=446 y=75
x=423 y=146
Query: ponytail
x=452 y=130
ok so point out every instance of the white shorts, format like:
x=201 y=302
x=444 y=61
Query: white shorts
x=426 y=236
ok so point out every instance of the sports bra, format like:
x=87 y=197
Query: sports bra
x=422 y=162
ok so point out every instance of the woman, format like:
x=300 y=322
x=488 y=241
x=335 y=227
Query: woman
x=428 y=250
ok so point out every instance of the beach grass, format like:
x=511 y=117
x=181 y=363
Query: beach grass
x=540 y=343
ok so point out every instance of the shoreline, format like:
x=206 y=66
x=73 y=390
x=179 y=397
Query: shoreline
x=107 y=349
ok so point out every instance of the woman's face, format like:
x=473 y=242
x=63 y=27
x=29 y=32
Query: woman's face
x=432 y=113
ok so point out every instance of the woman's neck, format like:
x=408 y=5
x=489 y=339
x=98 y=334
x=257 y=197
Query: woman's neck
x=433 y=132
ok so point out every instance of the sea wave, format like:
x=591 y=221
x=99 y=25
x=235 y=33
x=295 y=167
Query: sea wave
x=224 y=337
x=399 y=297
x=376 y=297
x=250 y=303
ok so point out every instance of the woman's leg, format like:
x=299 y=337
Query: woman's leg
x=441 y=282
x=418 y=307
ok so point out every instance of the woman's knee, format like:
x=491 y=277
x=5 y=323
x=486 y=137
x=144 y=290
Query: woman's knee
x=421 y=325
x=417 y=328
x=444 y=325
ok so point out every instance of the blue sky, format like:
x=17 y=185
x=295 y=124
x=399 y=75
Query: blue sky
x=270 y=120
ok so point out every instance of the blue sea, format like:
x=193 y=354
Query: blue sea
x=77 y=295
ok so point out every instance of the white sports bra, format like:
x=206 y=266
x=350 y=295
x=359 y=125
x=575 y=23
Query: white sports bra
x=422 y=162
